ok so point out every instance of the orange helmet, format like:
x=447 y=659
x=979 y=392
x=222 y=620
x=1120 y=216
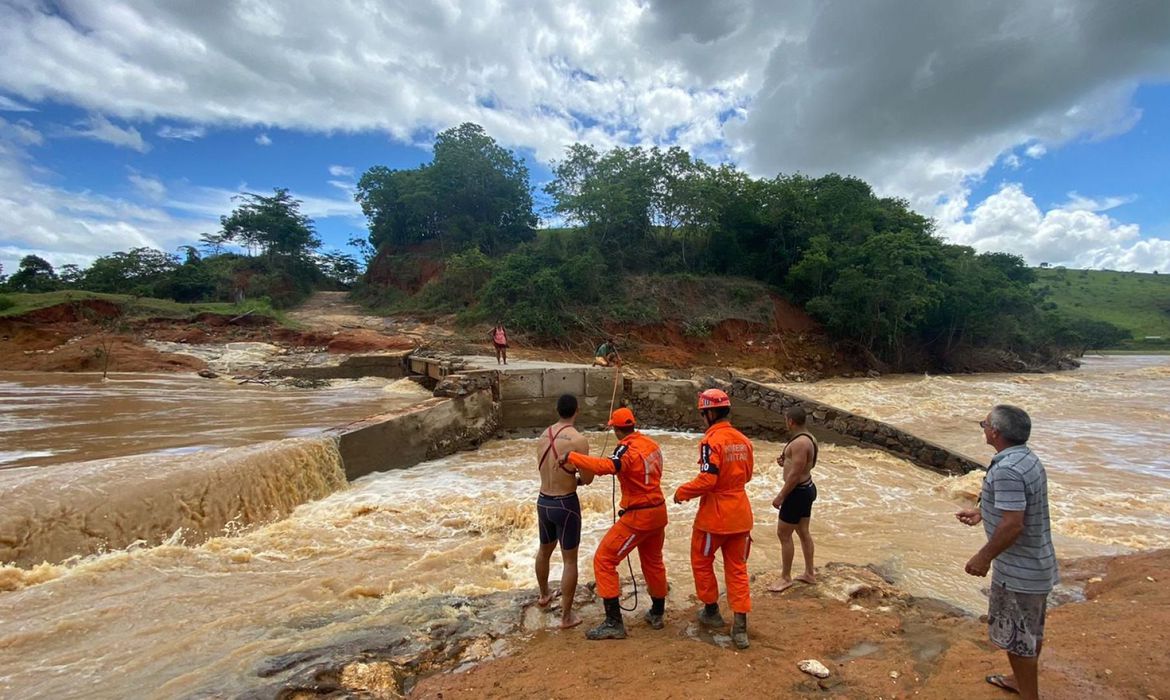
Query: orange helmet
x=713 y=398
x=622 y=418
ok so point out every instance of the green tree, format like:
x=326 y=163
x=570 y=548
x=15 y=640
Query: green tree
x=70 y=275
x=132 y=272
x=340 y=267
x=34 y=274
x=473 y=192
x=611 y=194
x=273 y=224
x=213 y=243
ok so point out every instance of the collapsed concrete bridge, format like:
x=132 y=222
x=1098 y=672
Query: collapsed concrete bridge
x=99 y=506
x=519 y=400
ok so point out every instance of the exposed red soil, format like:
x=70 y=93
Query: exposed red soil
x=792 y=341
x=77 y=337
x=1111 y=646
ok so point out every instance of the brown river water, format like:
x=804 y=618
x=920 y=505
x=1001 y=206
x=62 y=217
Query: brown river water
x=180 y=621
x=52 y=418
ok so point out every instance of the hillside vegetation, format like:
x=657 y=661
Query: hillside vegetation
x=131 y=306
x=455 y=236
x=1137 y=302
x=649 y=236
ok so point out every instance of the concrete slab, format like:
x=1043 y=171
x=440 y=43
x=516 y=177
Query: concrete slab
x=526 y=413
x=599 y=382
x=569 y=380
x=516 y=384
x=486 y=362
x=430 y=429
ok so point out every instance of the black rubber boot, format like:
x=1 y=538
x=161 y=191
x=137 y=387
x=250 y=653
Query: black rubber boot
x=710 y=616
x=613 y=627
x=739 y=631
x=655 y=614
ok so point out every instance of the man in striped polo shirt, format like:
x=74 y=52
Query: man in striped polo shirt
x=1013 y=508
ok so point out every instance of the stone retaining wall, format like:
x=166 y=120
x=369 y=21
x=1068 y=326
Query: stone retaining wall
x=758 y=410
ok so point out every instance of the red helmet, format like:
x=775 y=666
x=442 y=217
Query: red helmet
x=713 y=398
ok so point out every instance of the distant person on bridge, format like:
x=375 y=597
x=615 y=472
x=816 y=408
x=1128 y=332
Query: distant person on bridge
x=558 y=510
x=1013 y=508
x=795 y=499
x=499 y=338
x=641 y=524
x=724 y=521
x=607 y=355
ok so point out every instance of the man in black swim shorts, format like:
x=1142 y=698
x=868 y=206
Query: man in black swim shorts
x=558 y=511
x=795 y=499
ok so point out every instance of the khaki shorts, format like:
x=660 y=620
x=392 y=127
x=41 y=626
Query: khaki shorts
x=1015 y=621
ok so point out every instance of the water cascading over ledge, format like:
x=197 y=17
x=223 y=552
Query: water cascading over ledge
x=82 y=508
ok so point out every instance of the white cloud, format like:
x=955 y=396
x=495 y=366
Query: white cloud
x=69 y=226
x=212 y=202
x=1077 y=202
x=150 y=187
x=341 y=171
x=1074 y=234
x=918 y=99
x=182 y=133
x=21 y=133
x=915 y=99
x=99 y=128
x=7 y=104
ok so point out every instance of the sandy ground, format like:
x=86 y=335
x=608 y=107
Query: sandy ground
x=879 y=644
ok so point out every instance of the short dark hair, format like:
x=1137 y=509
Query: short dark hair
x=567 y=406
x=796 y=414
x=1012 y=423
x=720 y=412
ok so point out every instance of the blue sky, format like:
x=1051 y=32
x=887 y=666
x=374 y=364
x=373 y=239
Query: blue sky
x=1038 y=127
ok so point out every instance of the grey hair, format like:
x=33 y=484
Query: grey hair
x=1012 y=423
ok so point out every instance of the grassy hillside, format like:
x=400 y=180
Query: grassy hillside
x=1138 y=302
x=15 y=304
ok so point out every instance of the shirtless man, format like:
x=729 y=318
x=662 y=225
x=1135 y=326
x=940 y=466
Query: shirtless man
x=558 y=510
x=796 y=498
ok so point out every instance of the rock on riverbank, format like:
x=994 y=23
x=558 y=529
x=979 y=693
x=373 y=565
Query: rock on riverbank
x=876 y=641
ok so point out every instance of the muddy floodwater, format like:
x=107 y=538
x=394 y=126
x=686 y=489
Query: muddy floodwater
x=52 y=418
x=179 y=621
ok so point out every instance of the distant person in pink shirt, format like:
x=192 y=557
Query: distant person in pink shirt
x=500 y=340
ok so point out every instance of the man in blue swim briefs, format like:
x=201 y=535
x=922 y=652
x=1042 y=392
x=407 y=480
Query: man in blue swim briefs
x=795 y=499
x=558 y=511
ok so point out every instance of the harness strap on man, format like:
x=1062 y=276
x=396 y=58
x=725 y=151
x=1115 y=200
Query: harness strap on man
x=552 y=442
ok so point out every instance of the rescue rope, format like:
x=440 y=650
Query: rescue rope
x=613 y=492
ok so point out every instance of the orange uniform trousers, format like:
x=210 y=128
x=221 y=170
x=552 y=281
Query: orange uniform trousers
x=735 y=549
x=616 y=546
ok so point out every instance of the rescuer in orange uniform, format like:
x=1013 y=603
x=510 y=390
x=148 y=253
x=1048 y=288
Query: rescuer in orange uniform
x=637 y=462
x=724 y=521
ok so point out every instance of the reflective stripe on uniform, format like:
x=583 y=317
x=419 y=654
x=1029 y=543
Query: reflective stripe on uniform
x=705 y=466
x=618 y=453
